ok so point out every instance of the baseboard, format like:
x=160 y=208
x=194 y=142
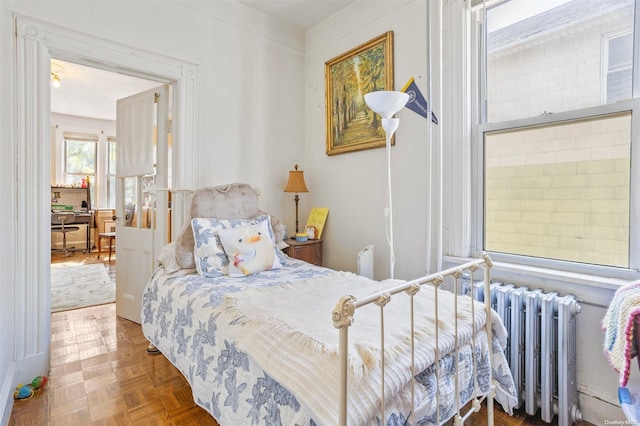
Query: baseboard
x=33 y=366
x=597 y=411
x=6 y=394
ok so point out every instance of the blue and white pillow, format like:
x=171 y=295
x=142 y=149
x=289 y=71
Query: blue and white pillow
x=210 y=257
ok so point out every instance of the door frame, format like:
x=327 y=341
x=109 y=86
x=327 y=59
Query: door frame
x=36 y=42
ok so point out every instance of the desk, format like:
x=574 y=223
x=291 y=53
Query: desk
x=76 y=200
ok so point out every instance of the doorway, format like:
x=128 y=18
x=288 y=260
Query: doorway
x=36 y=42
x=83 y=158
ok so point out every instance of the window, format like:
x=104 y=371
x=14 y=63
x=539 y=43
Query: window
x=111 y=172
x=619 y=51
x=560 y=191
x=80 y=160
x=555 y=145
x=86 y=154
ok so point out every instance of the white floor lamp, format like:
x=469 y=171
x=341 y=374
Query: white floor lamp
x=386 y=104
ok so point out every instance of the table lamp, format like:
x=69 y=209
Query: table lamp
x=296 y=184
x=386 y=103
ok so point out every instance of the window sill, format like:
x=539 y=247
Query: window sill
x=592 y=289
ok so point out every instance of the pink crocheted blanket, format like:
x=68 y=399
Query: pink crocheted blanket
x=619 y=327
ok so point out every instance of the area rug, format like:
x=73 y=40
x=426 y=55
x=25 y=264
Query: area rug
x=79 y=286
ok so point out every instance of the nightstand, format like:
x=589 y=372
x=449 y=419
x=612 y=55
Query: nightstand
x=309 y=251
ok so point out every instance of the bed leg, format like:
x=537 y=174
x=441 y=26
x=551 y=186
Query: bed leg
x=492 y=394
x=152 y=350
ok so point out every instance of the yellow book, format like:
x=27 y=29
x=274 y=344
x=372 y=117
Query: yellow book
x=316 y=221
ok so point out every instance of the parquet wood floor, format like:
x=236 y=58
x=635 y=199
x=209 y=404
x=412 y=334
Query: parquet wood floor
x=101 y=375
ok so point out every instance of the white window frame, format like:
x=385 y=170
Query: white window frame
x=58 y=159
x=606 y=67
x=478 y=78
x=108 y=175
x=75 y=137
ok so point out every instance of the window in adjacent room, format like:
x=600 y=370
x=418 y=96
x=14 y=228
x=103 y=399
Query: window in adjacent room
x=111 y=172
x=555 y=145
x=80 y=160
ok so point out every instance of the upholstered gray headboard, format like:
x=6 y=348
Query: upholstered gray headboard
x=232 y=201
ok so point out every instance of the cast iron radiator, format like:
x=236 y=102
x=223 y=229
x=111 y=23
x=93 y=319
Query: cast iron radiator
x=541 y=349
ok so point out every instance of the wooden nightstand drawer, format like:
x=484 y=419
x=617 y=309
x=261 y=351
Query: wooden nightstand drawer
x=309 y=251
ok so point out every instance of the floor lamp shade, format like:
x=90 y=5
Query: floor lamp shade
x=386 y=102
x=296 y=184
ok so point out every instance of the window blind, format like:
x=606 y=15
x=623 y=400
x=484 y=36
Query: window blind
x=84 y=137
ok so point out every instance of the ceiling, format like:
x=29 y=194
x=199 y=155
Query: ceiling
x=302 y=14
x=92 y=92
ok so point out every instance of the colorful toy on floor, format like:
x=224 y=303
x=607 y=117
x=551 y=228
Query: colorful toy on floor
x=39 y=382
x=23 y=392
x=27 y=391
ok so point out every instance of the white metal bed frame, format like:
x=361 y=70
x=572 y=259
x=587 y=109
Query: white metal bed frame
x=343 y=317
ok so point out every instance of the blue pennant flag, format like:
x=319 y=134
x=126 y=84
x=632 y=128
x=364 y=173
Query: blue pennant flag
x=416 y=102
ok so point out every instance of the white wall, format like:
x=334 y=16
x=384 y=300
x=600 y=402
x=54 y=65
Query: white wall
x=249 y=124
x=7 y=219
x=353 y=185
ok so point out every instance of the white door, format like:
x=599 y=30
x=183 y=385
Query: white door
x=142 y=213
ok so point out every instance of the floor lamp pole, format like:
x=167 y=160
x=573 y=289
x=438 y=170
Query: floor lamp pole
x=390 y=125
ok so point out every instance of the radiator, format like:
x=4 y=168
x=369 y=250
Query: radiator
x=365 y=262
x=541 y=348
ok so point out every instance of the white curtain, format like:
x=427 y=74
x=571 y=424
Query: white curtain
x=135 y=120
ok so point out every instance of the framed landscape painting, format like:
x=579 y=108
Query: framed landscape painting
x=351 y=125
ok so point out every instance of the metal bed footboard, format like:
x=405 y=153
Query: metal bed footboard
x=343 y=317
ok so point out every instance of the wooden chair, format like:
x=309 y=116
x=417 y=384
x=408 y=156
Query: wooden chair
x=112 y=238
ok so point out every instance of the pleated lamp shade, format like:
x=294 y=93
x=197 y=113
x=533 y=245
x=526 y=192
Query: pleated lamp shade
x=296 y=181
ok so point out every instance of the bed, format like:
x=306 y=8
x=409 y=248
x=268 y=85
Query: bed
x=263 y=348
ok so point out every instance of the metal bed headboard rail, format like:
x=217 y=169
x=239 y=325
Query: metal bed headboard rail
x=343 y=316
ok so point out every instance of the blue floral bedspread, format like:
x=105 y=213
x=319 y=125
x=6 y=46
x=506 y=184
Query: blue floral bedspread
x=181 y=316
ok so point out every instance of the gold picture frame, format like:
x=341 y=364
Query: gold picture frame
x=350 y=124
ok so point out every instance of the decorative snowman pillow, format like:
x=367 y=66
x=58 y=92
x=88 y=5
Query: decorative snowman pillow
x=249 y=249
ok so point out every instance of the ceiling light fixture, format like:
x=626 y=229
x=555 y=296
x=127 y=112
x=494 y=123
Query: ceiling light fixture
x=55 y=80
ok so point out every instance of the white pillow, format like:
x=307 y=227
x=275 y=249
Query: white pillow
x=249 y=249
x=210 y=258
x=167 y=258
